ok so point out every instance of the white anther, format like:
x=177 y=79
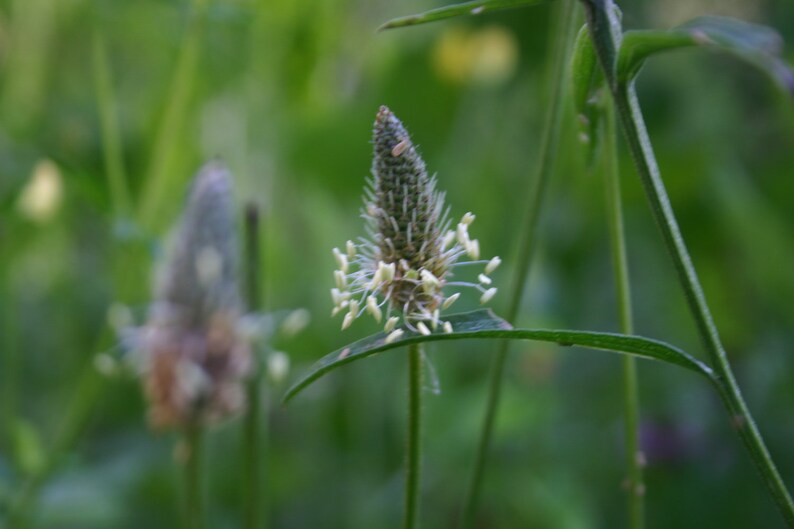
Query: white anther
x=486 y=297
x=447 y=327
x=484 y=279
x=341 y=280
x=353 y=307
x=448 y=239
x=372 y=308
x=473 y=249
x=430 y=283
x=341 y=260
x=422 y=328
x=434 y=321
x=450 y=300
x=468 y=218
x=463 y=235
x=348 y=321
x=394 y=335
x=391 y=323
x=492 y=265
x=389 y=271
x=351 y=250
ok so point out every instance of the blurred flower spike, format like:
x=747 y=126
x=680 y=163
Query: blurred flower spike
x=399 y=273
x=195 y=353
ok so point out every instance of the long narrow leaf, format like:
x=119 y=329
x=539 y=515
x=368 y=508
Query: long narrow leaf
x=758 y=45
x=482 y=324
x=476 y=7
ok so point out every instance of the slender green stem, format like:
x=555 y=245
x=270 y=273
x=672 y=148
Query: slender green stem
x=634 y=458
x=253 y=428
x=194 y=490
x=109 y=127
x=563 y=34
x=160 y=183
x=413 y=448
x=604 y=25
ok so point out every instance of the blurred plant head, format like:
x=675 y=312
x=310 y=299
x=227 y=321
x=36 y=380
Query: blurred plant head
x=195 y=355
x=42 y=195
x=483 y=56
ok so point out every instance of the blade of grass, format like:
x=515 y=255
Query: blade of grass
x=604 y=23
x=631 y=399
x=563 y=35
x=160 y=180
x=109 y=128
x=477 y=7
x=194 y=488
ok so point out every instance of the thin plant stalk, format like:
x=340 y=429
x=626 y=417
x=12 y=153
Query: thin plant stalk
x=605 y=32
x=564 y=33
x=194 y=490
x=110 y=129
x=413 y=452
x=631 y=402
x=159 y=180
x=254 y=438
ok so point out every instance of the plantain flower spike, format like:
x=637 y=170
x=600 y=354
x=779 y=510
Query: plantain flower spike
x=195 y=355
x=399 y=273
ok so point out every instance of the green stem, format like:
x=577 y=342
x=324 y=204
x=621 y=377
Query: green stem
x=604 y=25
x=634 y=457
x=563 y=34
x=194 y=499
x=109 y=128
x=160 y=183
x=413 y=452
x=253 y=429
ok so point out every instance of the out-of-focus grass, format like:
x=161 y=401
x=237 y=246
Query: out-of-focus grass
x=286 y=92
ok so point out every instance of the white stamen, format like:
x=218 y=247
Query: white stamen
x=398 y=149
x=351 y=250
x=354 y=308
x=391 y=323
x=372 y=308
x=492 y=265
x=468 y=218
x=430 y=283
x=394 y=335
x=341 y=280
x=450 y=300
x=388 y=272
x=434 y=321
x=422 y=328
x=447 y=327
x=449 y=238
x=348 y=321
x=486 y=297
x=463 y=235
x=473 y=249
x=341 y=260
x=484 y=279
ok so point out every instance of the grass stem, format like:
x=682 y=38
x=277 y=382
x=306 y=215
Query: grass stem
x=194 y=491
x=563 y=34
x=413 y=452
x=253 y=424
x=634 y=458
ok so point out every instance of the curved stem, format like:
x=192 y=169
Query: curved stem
x=605 y=29
x=413 y=451
x=741 y=419
x=631 y=405
x=564 y=33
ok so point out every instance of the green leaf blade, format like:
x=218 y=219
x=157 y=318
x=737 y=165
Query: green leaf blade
x=474 y=8
x=758 y=45
x=483 y=324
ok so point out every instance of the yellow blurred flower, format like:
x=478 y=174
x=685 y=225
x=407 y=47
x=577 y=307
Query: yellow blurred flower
x=485 y=56
x=41 y=197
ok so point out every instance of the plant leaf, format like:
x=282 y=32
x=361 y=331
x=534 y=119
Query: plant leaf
x=758 y=45
x=481 y=324
x=587 y=90
x=467 y=8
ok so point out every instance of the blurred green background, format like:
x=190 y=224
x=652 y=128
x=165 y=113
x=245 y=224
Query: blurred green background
x=108 y=107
